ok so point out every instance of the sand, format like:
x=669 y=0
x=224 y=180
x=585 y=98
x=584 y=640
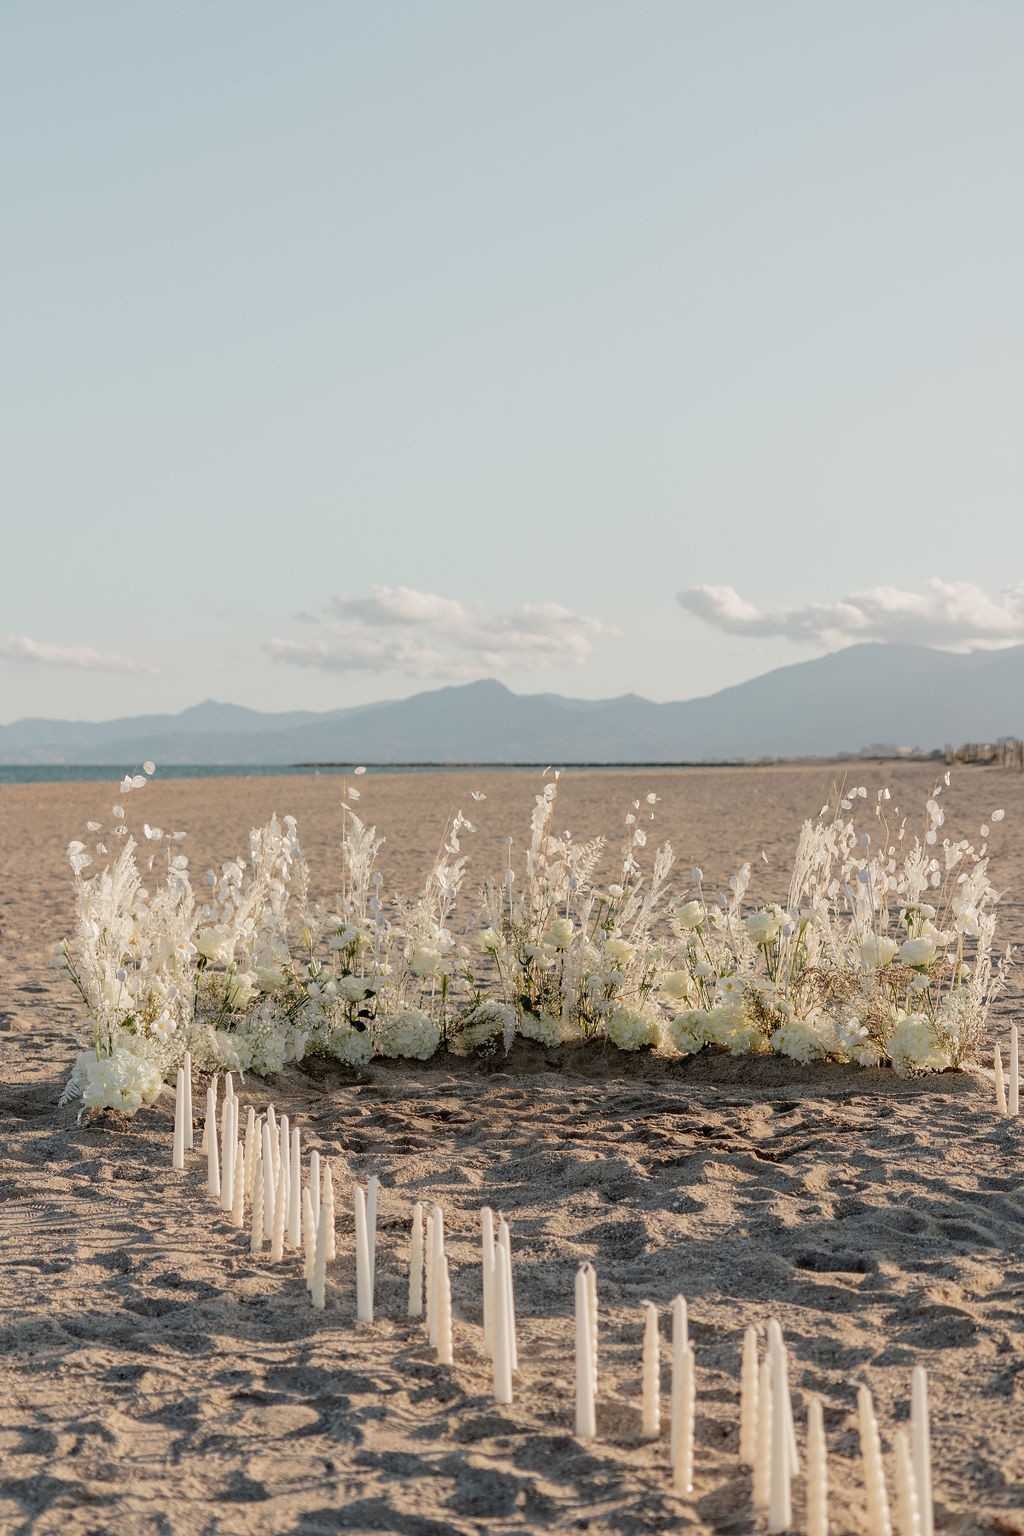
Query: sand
x=157 y=1379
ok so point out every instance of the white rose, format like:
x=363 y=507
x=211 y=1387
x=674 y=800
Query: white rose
x=241 y=990
x=677 y=984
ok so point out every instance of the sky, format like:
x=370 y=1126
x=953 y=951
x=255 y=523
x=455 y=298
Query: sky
x=351 y=350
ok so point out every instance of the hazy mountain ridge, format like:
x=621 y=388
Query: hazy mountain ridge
x=903 y=694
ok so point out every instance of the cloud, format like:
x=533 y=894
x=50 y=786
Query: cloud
x=954 y=615
x=22 y=648
x=420 y=634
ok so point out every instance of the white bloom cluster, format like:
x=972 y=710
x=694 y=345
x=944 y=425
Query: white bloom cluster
x=411 y=1033
x=883 y=950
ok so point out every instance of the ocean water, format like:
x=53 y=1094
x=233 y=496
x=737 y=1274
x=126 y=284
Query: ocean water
x=88 y=773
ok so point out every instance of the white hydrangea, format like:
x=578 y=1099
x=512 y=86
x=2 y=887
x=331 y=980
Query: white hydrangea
x=351 y=1046
x=630 y=1029
x=728 y=1025
x=799 y=1039
x=483 y=1025
x=124 y=1080
x=411 y=1033
x=687 y=1032
x=914 y=1047
x=547 y=1030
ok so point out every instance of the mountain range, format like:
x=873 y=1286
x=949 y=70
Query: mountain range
x=902 y=695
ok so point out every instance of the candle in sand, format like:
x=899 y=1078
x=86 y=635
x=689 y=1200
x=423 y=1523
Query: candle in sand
x=586 y=1418
x=921 y=1451
x=212 y=1161
x=364 y=1271
x=1014 y=1104
x=295 y=1192
x=874 y=1475
x=416 y=1262
x=650 y=1377
x=178 y=1152
x=319 y=1286
x=817 y=1470
x=190 y=1138
x=684 y=1413
x=487 y=1261
x=748 y=1398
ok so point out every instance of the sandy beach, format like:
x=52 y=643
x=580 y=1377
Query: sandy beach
x=158 y=1379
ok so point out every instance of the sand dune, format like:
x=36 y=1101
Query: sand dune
x=157 y=1378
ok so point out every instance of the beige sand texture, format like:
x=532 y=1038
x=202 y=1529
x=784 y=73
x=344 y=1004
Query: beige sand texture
x=155 y=1378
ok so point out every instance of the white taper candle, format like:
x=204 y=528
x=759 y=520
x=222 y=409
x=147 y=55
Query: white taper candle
x=878 y=1523
x=295 y=1192
x=586 y=1419
x=684 y=1414
x=780 y=1497
x=308 y=1236
x=364 y=1270
x=505 y=1241
x=269 y=1176
x=256 y=1237
x=748 y=1398
x=650 y=1375
x=908 y=1513
x=319 y=1285
x=277 y=1230
x=314 y=1183
x=502 y=1364
x=190 y=1135
x=436 y=1266
x=212 y=1160
x=227 y=1177
x=763 y=1460
x=327 y=1203
x=817 y=1470
x=251 y=1150
x=178 y=1150
x=416 y=1262
x=487 y=1264
x=920 y=1435
x=238 y=1200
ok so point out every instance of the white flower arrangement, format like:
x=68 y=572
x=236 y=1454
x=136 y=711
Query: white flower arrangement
x=882 y=953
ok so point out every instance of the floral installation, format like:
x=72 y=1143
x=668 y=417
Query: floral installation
x=883 y=954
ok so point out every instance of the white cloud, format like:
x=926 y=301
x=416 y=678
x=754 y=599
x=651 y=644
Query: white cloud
x=22 y=648
x=422 y=635
x=955 y=615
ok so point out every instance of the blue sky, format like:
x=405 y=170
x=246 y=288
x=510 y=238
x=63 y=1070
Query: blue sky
x=349 y=350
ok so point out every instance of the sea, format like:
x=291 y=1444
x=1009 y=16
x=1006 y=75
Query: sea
x=87 y=773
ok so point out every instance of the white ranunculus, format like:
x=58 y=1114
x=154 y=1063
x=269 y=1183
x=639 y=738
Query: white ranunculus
x=691 y=915
x=424 y=960
x=488 y=941
x=919 y=953
x=559 y=934
x=763 y=927
x=878 y=953
x=619 y=951
x=215 y=944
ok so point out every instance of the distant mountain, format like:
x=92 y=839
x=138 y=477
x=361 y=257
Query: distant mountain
x=903 y=694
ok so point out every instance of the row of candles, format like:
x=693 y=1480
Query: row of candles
x=264 y=1168
x=1008 y=1095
